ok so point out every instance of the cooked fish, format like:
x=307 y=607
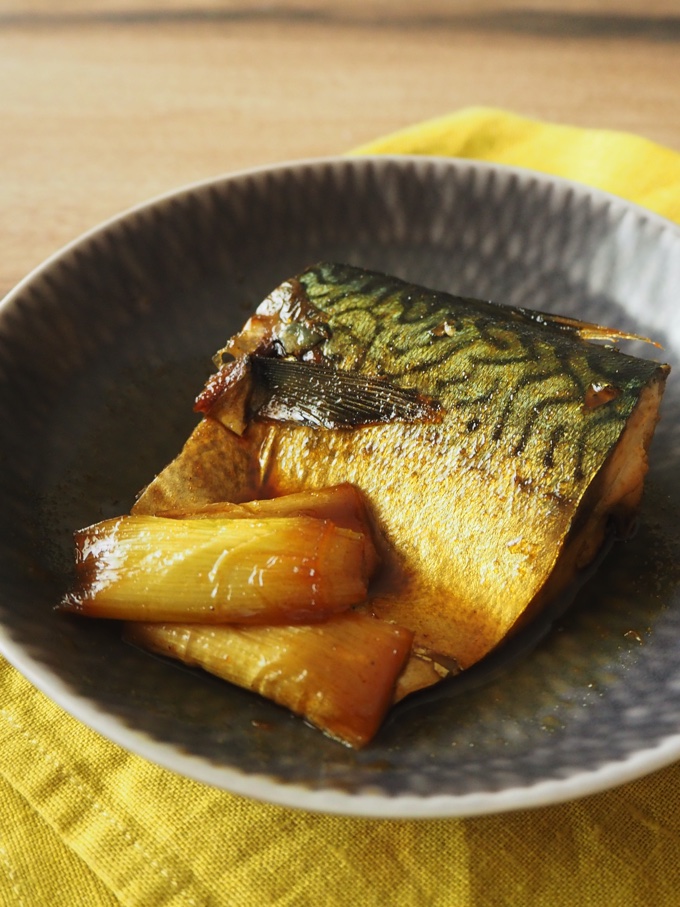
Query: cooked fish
x=494 y=445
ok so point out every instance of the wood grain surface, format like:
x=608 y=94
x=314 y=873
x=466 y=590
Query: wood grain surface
x=104 y=104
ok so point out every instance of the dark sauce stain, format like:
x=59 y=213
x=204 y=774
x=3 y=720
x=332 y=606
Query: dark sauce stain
x=447 y=328
x=599 y=394
x=262 y=725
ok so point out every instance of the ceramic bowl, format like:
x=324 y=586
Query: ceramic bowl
x=102 y=350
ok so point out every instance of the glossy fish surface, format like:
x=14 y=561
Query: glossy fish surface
x=494 y=445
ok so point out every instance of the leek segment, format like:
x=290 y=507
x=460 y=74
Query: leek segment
x=252 y=593
x=342 y=504
x=338 y=674
x=280 y=569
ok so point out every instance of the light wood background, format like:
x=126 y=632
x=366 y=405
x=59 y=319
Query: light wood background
x=104 y=104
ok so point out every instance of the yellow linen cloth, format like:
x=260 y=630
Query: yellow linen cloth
x=82 y=822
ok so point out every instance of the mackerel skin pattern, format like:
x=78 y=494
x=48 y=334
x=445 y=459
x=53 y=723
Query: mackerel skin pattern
x=513 y=387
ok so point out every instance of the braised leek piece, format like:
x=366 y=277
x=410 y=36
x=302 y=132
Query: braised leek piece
x=339 y=674
x=280 y=569
x=342 y=504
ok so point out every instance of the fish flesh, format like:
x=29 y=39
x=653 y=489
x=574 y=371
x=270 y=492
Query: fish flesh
x=495 y=445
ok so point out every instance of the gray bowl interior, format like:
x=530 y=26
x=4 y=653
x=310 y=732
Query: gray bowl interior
x=104 y=348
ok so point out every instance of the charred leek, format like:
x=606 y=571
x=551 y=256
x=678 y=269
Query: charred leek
x=222 y=570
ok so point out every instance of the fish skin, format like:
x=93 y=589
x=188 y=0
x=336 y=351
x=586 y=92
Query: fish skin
x=517 y=386
x=476 y=507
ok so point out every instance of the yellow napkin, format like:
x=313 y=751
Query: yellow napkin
x=85 y=823
x=627 y=165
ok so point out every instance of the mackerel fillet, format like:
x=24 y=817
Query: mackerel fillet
x=496 y=446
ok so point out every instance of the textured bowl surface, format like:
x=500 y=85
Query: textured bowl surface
x=102 y=351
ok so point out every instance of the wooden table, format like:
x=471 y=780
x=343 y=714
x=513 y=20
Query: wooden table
x=104 y=103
